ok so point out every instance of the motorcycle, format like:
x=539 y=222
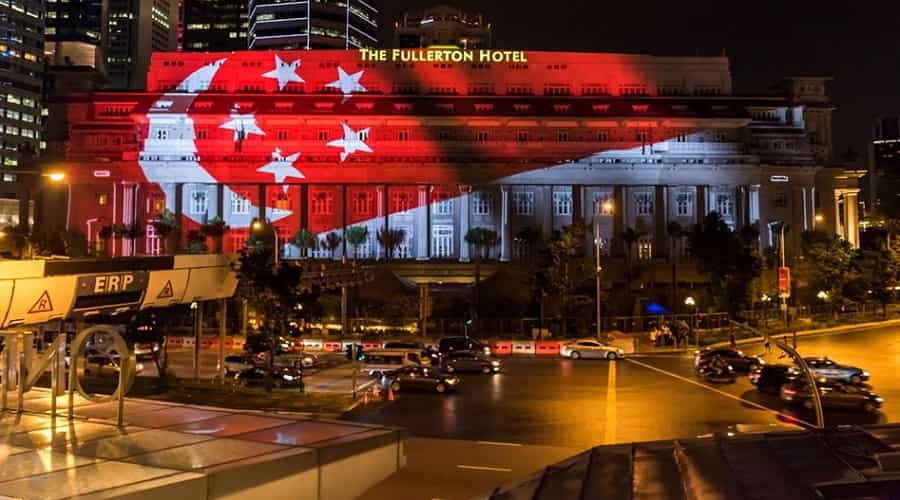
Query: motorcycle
x=724 y=375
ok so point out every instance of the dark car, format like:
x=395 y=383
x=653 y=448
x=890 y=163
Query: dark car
x=824 y=368
x=423 y=378
x=833 y=394
x=470 y=361
x=260 y=343
x=427 y=351
x=286 y=377
x=770 y=378
x=450 y=344
x=737 y=359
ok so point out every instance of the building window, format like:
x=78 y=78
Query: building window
x=198 y=202
x=645 y=249
x=684 y=204
x=725 y=205
x=523 y=202
x=237 y=239
x=562 y=203
x=642 y=137
x=403 y=136
x=156 y=204
x=522 y=136
x=152 y=240
x=363 y=204
x=202 y=134
x=281 y=202
x=481 y=203
x=322 y=135
x=562 y=136
x=443 y=205
x=444 y=135
x=603 y=203
x=282 y=135
x=780 y=199
x=442 y=242
x=240 y=204
x=603 y=136
x=482 y=136
x=633 y=89
x=643 y=203
x=322 y=204
x=102 y=199
x=401 y=202
x=162 y=134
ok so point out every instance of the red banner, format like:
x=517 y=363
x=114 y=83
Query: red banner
x=784 y=280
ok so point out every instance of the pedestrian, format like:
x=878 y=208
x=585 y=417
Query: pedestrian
x=733 y=341
x=768 y=346
x=654 y=336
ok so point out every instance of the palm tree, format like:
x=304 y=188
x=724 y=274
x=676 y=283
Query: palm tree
x=390 y=239
x=356 y=236
x=305 y=241
x=483 y=239
x=676 y=233
x=331 y=243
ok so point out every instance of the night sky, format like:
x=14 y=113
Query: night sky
x=765 y=41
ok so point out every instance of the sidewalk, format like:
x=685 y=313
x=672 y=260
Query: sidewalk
x=336 y=380
x=818 y=331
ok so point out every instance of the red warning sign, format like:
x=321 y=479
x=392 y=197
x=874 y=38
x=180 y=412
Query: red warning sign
x=167 y=292
x=42 y=305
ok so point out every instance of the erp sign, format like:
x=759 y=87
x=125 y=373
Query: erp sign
x=119 y=290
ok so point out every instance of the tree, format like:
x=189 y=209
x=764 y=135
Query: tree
x=877 y=268
x=731 y=260
x=676 y=234
x=356 y=237
x=630 y=237
x=526 y=239
x=390 y=239
x=164 y=226
x=564 y=269
x=331 y=243
x=305 y=241
x=215 y=228
x=105 y=235
x=829 y=264
x=132 y=232
x=482 y=239
x=196 y=242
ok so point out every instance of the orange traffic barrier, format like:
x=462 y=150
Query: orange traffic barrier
x=298 y=346
x=229 y=343
x=239 y=343
x=546 y=347
x=174 y=341
x=332 y=346
x=371 y=345
x=502 y=347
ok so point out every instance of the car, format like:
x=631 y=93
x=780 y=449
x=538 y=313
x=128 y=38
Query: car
x=260 y=343
x=238 y=363
x=590 y=348
x=737 y=359
x=284 y=378
x=770 y=378
x=450 y=344
x=305 y=360
x=423 y=378
x=834 y=395
x=428 y=351
x=386 y=361
x=824 y=368
x=470 y=361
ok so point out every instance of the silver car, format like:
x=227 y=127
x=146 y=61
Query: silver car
x=590 y=348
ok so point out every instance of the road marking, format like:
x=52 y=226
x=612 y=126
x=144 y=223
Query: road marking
x=799 y=421
x=483 y=468
x=499 y=443
x=609 y=432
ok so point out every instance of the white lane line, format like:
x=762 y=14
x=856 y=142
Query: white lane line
x=483 y=468
x=609 y=431
x=499 y=443
x=799 y=421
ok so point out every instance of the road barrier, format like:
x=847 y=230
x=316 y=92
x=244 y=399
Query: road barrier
x=372 y=345
x=332 y=346
x=312 y=344
x=239 y=343
x=522 y=347
x=546 y=348
x=229 y=343
x=502 y=347
x=298 y=346
x=188 y=342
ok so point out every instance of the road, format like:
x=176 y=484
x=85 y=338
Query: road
x=542 y=408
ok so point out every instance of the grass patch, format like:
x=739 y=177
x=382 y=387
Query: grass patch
x=211 y=393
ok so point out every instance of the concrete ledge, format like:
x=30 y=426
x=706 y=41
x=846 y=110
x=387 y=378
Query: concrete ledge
x=818 y=331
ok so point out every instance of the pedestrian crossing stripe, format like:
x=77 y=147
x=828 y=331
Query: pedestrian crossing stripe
x=42 y=305
x=167 y=292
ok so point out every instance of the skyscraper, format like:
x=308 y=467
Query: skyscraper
x=442 y=25
x=214 y=25
x=884 y=166
x=322 y=24
x=74 y=33
x=21 y=72
x=134 y=30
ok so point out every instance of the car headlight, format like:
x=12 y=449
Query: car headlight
x=155 y=348
x=289 y=377
x=761 y=361
x=620 y=351
x=452 y=381
x=139 y=367
x=879 y=399
x=495 y=363
x=865 y=374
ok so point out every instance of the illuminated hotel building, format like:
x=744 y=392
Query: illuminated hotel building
x=324 y=140
x=313 y=24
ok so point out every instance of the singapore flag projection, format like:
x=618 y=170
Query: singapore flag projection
x=325 y=118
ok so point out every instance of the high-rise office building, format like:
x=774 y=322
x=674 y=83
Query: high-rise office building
x=134 y=30
x=21 y=73
x=320 y=24
x=883 y=186
x=74 y=33
x=442 y=25
x=214 y=25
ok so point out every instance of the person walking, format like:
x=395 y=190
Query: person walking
x=768 y=346
x=733 y=341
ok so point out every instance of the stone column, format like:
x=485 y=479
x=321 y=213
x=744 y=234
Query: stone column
x=422 y=224
x=505 y=230
x=618 y=248
x=344 y=220
x=838 y=227
x=381 y=212
x=701 y=204
x=805 y=209
x=464 y=222
x=851 y=216
x=177 y=237
x=547 y=211
x=812 y=205
x=577 y=203
x=754 y=204
x=739 y=212
x=261 y=209
x=660 y=216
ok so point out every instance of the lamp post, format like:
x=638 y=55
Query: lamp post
x=691 y=304
x=765 y=300
x=607 y=208
x=259 y=226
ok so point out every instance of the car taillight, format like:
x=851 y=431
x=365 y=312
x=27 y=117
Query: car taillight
x=788 y=391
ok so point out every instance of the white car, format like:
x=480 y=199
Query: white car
x=590 y=348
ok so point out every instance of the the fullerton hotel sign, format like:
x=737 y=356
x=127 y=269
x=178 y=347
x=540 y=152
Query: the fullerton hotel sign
x=443 y=55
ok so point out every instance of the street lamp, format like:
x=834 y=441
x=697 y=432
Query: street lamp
x=606 y=208
x=691 y=303
x=823 y=295
x=259 y=226
x=765 y=299
x=819 y=218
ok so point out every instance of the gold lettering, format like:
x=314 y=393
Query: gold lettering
x=127 y=280
x=395 y=54
x=113 y=284
x=99 y=284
